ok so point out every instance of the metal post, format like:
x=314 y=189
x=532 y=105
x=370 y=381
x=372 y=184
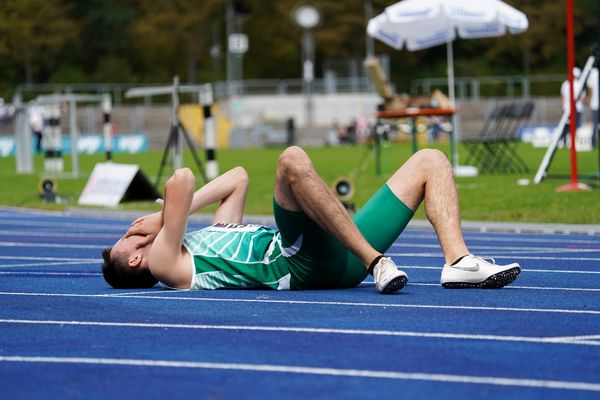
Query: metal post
x=74 y=136
x=229 y=21
x=308 y=73
x=57 y=136
x=369 y=39
x=177 y=149
x=24 y=158
x=107 y=126
x=210 y=136
x=455 y=122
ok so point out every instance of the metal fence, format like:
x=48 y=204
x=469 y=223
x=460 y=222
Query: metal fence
x=476 y=87
x=467 y=88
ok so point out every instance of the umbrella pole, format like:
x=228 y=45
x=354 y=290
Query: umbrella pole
x=454 y=137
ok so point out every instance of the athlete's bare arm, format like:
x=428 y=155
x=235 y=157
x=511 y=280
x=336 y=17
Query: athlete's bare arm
x=229 y=189
x=168 y=261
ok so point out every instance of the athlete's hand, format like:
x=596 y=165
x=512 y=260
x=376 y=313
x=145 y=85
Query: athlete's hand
x=147 y=226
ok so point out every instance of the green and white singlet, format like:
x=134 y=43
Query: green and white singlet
x=228 y=256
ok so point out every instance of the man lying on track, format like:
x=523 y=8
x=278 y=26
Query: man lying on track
x=316 y=244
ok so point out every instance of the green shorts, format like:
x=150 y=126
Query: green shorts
x=322 y=262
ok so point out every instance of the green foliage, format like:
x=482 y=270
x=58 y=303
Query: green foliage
x=67 y=74
x=34 y=33
x=149 y=41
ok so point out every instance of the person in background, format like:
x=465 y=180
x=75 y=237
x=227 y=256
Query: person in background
x=566 y=103
x=36 y=122
x=592 y=96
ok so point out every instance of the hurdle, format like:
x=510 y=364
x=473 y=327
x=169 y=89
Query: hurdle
x=53 y=161
x=178 y=132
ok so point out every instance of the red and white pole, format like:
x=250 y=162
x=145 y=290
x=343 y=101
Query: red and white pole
x=574 y=185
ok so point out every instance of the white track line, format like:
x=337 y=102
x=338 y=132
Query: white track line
x=516 y=253
x=422 y=255
x=69 y=225
x=582 y=337
x=576 y=340
x=53 y=234
x=46 y=264
x=364 y=284
x=524 y=270
x=51 y=273
x=492 y=248
x=522 y=287
x=476 y=237
x=52 y=245
x=291 y=369
x=318 y=303
x=33 y=258
x=440 y=255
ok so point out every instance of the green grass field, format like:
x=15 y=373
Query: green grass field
x=483 y=198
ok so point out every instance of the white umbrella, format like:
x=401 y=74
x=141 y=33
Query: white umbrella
x=420 y=24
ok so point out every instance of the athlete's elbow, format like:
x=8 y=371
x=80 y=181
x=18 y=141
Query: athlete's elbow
x=182 y=178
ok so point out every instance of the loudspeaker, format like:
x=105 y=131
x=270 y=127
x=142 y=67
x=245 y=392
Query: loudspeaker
x=47 y=187
x=344 y=190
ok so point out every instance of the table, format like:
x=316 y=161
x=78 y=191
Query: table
x=413 y=113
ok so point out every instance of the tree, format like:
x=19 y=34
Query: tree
x=172 y=34
x=105 y=43
x=34 y=33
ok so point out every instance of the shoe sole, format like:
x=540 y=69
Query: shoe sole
x=395 y=284
x=496 y=281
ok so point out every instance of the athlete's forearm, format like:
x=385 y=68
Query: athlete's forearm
x=179 y=191
x=219 y=188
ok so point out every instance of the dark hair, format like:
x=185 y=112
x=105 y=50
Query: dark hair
x=118 y=275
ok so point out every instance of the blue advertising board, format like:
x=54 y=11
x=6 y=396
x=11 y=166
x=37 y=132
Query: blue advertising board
x=87 y=144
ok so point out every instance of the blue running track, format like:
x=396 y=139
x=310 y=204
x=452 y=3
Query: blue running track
x=65 y=334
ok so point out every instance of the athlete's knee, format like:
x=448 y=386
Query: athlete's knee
x=294 y=163
x=432 y=160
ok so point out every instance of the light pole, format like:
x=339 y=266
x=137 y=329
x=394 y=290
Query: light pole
x=307 y=17
x=368 y=15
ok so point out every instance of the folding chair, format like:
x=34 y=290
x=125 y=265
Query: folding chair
x=503 y=147
x=479 y=152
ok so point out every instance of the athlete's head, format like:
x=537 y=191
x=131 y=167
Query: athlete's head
x=126 y=264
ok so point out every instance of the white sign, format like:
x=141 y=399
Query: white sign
x=7 y=146
x=107 y=184
x=238 y=43
x=131 y=144
x=88 y=144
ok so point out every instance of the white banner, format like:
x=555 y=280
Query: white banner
x=107 y=184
